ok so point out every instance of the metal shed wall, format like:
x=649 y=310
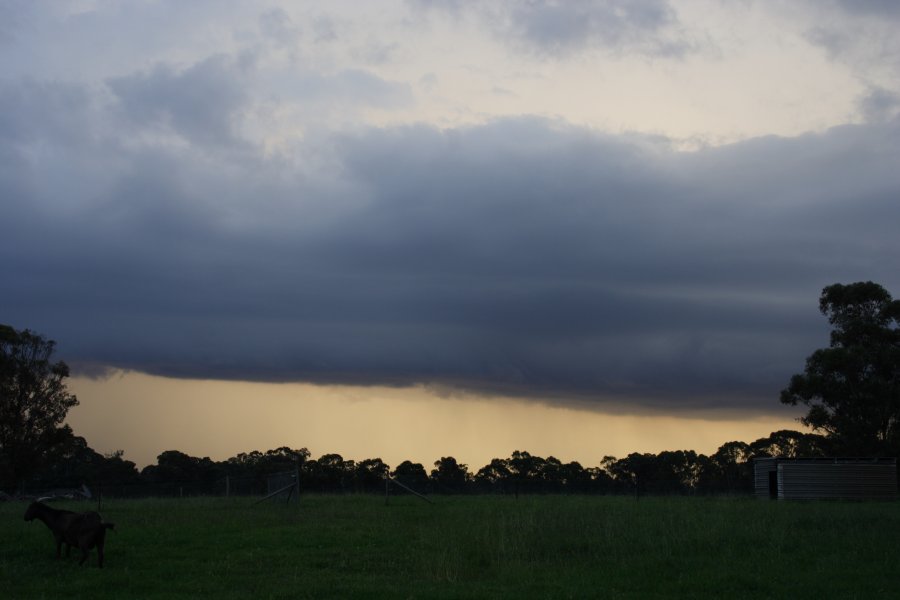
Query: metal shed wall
x=802 y=480
x=761 y=469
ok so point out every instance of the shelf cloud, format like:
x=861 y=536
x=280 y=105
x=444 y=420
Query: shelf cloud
x=270 y=203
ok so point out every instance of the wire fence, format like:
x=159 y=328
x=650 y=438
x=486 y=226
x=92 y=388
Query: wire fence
x=257 y=485
x=223 y=486
x=321 y=477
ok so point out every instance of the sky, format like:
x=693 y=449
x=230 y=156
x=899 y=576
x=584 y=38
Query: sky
x=577 y=228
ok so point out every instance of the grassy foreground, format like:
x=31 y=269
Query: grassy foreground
x=467 y=547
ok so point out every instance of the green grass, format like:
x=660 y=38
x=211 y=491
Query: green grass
x=467 y=547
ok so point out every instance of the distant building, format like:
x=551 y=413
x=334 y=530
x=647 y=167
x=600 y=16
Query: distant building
x=825 y=478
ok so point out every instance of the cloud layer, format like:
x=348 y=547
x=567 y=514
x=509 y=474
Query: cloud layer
x=265 y=211
x=558 y=29
x=524 y=256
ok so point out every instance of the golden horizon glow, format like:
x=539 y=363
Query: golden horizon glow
x=146 y=415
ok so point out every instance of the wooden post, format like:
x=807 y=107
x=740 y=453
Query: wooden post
x=387 y=485
x=227 y=486
x=297 y=482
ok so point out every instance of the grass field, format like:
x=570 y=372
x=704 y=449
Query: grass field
x=467 y=547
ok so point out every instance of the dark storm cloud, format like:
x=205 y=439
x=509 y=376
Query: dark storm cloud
x=523 y=256
x=553 y=28
x=198 y=102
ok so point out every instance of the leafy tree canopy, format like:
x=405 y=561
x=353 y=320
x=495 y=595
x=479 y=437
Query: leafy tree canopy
x=852 y=388
x=34 y=402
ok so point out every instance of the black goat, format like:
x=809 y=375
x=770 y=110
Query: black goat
x=82 y=530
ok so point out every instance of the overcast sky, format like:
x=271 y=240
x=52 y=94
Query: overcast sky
x=588 y=201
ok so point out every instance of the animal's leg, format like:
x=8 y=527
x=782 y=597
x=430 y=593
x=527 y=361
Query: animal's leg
x=68 y=550
x=100 y=553
x=84 y=555
x=59 y=547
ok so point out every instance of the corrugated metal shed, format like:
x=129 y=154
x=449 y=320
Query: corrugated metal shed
x=765 y=471
x=825 y=478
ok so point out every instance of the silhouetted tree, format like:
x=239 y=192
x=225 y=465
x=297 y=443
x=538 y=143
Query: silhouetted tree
x=329 y=473
x=252 y=469
x=790 y=444
x=632 y=472
x=728 y=470
x=282 y=459
x=852 y=388
x=189 y=474
x=370 y=475
x=552 y=478
x=72 y=463
x=494 y=477
x=114 y=469
x=574 y=478
x=600 y=481
x=450 y=476
x=677 y=472
x=34 y=402
x=669 y=472
x=244 y=463
x=526 y=471
x=621 y=479
x=412 y=475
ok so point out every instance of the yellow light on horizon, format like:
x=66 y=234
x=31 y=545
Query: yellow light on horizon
x=146 y=415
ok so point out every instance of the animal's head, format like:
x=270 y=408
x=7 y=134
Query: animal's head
x=32 y=511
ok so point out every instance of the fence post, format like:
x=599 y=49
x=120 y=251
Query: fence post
x=297 y=482
x=228 y=486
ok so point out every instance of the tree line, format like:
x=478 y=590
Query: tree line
x=851 y=390
x=728 y=470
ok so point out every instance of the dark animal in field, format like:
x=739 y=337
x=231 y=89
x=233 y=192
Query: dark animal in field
x=85 y=530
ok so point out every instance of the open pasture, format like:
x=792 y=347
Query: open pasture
x=467 y=547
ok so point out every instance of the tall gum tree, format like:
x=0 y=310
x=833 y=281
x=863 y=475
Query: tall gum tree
x=34 y=402
x=852 y=388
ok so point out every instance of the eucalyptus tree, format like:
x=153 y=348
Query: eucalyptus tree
x=852 y=387
x=34 y=402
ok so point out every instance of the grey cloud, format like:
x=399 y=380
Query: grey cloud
x=14 y=14
x=325 y=29
x=880 y=105
x=454 y=7
x=558 y=28
x=836 y=42
x=523 y=256
x=277 y=26
x=861 y=33
x=552 y=28
x=205 y=103
x=376 y=53
x=33 y=111
x=201 y=102
x=349 y=87
x=882 y=9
